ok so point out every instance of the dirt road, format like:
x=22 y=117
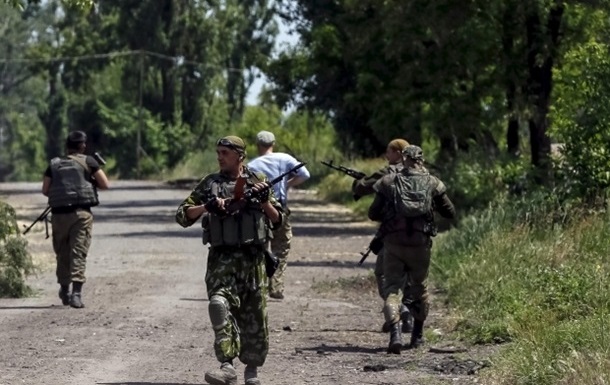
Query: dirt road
x=146 y=320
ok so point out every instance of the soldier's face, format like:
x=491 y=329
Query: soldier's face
x=228 y=159
x=393 y=156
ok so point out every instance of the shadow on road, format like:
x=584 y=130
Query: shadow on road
x=147 y=383
x=195 y=299
x=42 y=307
x=333 y=263
x=342 y=349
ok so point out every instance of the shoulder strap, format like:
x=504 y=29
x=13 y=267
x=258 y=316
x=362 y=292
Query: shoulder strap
x=81 y=161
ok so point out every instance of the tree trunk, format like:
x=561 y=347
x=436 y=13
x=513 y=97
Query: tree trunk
x=53 y=118
x=540 y=84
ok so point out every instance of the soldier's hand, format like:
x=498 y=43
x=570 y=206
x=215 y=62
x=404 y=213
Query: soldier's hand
x=215 y=206
x=262 y=191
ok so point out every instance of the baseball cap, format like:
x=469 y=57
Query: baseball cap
x=234 y=142
x=265 y=138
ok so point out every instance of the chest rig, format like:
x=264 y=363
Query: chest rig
x=245 y=227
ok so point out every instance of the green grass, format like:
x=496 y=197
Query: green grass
x=347 y=285
x=521 y=273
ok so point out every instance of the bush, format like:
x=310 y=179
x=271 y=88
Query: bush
x=534 y=272
x=15 y=261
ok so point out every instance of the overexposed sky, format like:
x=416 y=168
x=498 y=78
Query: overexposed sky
x=283 y=40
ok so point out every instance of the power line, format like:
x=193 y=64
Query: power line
x=179 y=60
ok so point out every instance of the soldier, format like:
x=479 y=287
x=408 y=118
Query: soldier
x=71 y=183
x=404 y=203
x=364 y=186
x=273 y=164
x=237 y=227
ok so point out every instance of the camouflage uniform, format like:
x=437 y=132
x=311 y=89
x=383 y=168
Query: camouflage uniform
x=235 y=273
x=407 y=244
x=280 y=245
x=363 y=187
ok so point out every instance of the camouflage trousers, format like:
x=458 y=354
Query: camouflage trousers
x=71 y=241
x=280 y=246
x=380 y=279
x=406 y=263
x=238 y=275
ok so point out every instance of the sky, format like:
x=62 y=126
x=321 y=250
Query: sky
x=283 y=39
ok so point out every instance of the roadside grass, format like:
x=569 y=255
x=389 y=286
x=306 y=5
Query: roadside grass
x=344 y=286
x=531 y=274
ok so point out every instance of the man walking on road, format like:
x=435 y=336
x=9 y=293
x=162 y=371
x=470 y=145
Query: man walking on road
x=71 y=183
x=363 y=187
x=404 y=203
x=273 y=164
x=239 y=211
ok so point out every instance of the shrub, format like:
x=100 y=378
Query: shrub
x=15 y=261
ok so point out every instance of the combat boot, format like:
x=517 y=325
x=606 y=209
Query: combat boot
x=75 y=299
x=395 y=338
x=251 y=375
x=417 y=335
x=226 y=375
x=407 y=319
x=64 y=295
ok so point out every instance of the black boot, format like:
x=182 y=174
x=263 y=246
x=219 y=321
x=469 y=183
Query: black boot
x=75 y=299
x=64 y=294
x=417 y=335
x=407 y=319
x=395 y=338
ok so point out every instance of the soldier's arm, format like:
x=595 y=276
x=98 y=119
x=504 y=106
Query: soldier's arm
x=376 y=210
x=364 y=186
x=192 y=207
x=442 y=203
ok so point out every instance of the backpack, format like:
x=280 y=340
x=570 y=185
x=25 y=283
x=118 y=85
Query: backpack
x=412 y=194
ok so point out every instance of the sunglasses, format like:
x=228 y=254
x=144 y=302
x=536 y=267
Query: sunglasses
x=228 y=143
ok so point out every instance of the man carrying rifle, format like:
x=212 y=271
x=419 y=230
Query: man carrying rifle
x=273 y=164
x=405 y=203
x=239 y=211
x=71 y=183
x=364 y=186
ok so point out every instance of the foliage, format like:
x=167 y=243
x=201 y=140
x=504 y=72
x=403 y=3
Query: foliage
x=533 y=271
x=582 y=120
x=15 y=261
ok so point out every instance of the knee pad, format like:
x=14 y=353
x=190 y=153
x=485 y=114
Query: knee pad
x=219 y=311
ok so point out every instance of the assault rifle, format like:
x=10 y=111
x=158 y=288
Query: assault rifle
x=375 y=247
x=240 y=198
x=351 y=172
x=41 y=217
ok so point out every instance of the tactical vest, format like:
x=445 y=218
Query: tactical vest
x=248 y=227
x=69 y=185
